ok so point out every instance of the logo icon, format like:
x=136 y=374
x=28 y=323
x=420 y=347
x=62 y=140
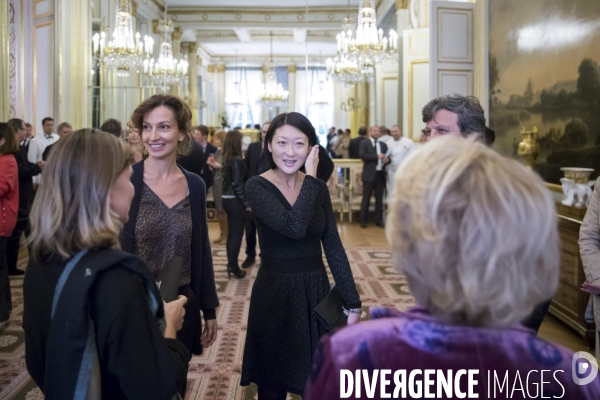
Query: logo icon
x=580 y=368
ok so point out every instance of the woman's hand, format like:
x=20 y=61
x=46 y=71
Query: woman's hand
x=312 y=161
x=591 y=289
x=214 y=164
x=174 y=314
x=353 y=318
x=209 y=334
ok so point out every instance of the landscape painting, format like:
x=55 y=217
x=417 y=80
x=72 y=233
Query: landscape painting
x=544 y=72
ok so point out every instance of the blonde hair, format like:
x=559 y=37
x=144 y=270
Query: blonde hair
x=220 y=135
x=475 y=234
x=72 y=209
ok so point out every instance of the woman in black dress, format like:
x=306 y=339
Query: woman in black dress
x=294 y=217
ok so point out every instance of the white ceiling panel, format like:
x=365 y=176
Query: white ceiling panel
x=260 y=3
x=262 y=49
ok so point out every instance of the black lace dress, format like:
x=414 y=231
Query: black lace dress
x=282 y=330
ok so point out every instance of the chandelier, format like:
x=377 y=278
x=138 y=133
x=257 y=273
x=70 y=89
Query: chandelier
x=358 y=54
x=125 y=51
x=272 y=93
x=167 y=70
x=237 y=99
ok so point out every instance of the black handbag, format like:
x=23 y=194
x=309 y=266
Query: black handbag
x=330 y=310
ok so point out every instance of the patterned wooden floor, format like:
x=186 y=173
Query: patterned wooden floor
x=216 y=374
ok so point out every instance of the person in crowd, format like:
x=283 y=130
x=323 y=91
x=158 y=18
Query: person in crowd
x=9 y=204
x=113 y=127
x=217 y=167
x=63 y=129
x=373 y=154
x=454 y=115
x=400 y=147
x=257 y=127
x=472 y=281
x=201 y=136
x=28 y=137
x=343 y=144
x=354 y=147
x=385 y=135
x=295 y=220
x=38 y=144
x=195 y=161
x=92 y=313
x=234 y=199
x=256 y=164
x=27 y=170
x=332 y=140
x=136 y=144
x=167 y=218
x=589 y=249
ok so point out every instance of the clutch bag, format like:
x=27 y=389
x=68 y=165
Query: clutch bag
x=330 y=310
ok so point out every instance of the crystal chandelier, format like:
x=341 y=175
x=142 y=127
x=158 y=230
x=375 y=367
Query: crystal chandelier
x=125 y=51
x=272 y=93
x=369 y=42
x=358 y=55
x=167 y=70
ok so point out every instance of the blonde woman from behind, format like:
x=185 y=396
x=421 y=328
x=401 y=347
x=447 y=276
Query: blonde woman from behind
x=476 y=236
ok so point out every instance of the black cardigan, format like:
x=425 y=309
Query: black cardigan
x=203 y=277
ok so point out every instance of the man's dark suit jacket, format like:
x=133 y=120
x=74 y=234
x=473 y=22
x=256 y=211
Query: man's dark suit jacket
x=368 y=154
x=354 y=147
x=208 y=174
x=195 y=161
x=252 y=158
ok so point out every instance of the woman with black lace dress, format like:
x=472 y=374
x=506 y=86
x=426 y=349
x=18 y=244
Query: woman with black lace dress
x=294 y=217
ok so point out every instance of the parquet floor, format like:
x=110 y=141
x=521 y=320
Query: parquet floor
x=215 y=375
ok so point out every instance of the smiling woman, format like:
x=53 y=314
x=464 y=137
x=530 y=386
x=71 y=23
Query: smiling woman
x=167 y=218
x=294 y=218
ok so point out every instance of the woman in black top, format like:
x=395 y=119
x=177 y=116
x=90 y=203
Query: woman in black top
x=234 y=199
x=92 y=313
x=168 y=214
x=294 y=217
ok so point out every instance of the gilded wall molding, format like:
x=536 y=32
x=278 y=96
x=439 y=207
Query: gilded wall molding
x=265 y=69
x=402 y=4
x=210 y=68
x=177 y=32
x=291 y=69
x=134 y=6
x=221 y=68
x=4 y=62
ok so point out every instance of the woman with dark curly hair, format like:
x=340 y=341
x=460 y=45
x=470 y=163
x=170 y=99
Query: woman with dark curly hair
x=168 y=214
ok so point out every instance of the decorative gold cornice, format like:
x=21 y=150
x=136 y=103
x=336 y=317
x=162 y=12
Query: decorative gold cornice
x=291 y=69
x=189 y=47
x=265 y=69
x=155 y=23
x=402 y=4
x=210 y=68
x=177 y=32
x=133 y=8
x=221 y=68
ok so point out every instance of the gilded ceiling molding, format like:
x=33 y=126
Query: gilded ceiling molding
x=210 y=68
x=221 y=68
x=291 y=69
x=402 y=4
x=265 y=69
x=177 y=32
x=155 y=23
x=134 y=8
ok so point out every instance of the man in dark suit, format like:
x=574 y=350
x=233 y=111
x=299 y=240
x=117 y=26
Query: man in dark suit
x=256 y=164
x=354 y=146
x=372 y=152
x=201 y=137
x=195 y=161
